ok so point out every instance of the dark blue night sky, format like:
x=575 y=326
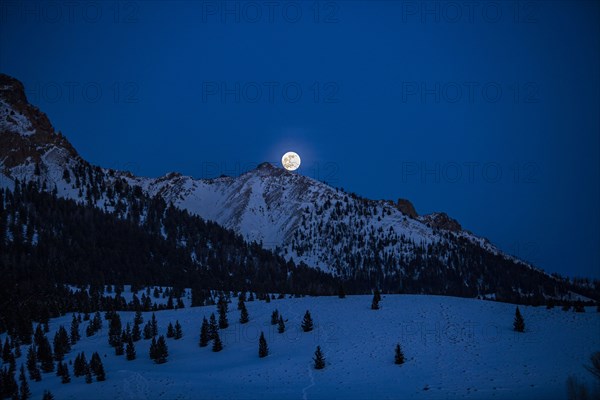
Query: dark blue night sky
x=488 y=111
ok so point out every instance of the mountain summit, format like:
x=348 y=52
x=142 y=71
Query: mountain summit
x=378 y=243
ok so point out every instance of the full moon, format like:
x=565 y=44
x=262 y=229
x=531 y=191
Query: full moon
x=290 y=161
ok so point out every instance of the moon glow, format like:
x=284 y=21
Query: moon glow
x=290 y=161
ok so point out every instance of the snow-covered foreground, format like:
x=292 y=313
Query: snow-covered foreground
x=455 y=348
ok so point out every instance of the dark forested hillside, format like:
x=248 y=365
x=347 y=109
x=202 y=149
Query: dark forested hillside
x=47 y=242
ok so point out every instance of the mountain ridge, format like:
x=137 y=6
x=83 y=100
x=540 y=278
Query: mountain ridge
x=383 y=242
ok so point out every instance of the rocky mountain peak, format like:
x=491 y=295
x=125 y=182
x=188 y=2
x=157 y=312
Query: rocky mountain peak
x=25 y=132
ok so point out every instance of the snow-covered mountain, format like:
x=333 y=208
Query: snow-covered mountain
x=383 y=242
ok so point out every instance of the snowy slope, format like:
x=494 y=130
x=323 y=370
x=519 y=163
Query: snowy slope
x=455 y=348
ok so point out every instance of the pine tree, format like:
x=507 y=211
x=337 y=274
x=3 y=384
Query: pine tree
x=44 y=355
x=138 y=319
x=162 y=351
x=6 y=352
x=274 y=317
x=154 y=325
x=75 y=336
x=307 y=322
x=62 y=343
x=34 y=371
x=80 y=365
x=519 y=323
x=222 y=308
x=244 y=314
x=399 y=356
x=130 y=350
x=47 y=395
x=213 y=328
x=136 y=334
x=24 y=392
x=114 y=330
x=148 y=331
x=376 y=300
x=66 y=378
x=217 y=344
x=153 y=349
x=263 y=349
x=241 y=300
x=88 y=374
x=280 y=325
x=9 y=385
x=170 y=331
x=97 y=322
x=119 y=347
x=97 y=367
x=204 y=333
x=319 y=359
x=178 y=330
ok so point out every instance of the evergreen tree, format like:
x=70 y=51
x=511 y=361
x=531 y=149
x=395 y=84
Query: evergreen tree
x=217 y=344
x=97 y=322
x=376 y=300
x=9 y=385
x=66 y=378
x=130 y=350
x=148 y=331
x=280 y=325
x=519 y=323
x=154 y=325
x=44 y=355
x=47 y=395
x=114 y=330
x=263 y=349
x=307 y=322
x=32 y=367
x=153 y=349
x=96 y=367
x=119 y=347
x=213 y=328
x=88 y=374
x=75 y=336
x=136 y=334
x=161 y=350
x=204 y=333
x=138 y=318
x=17 y=346
x=178 y=330
x=274 y=317
x=170 y=331
x=244 y=314
x=398 y=356
x=62 y=343
x=6 y=352
x=24 y=392
x=241 y=300
x=80 y=365
x=222 y=308
x=319 y=359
